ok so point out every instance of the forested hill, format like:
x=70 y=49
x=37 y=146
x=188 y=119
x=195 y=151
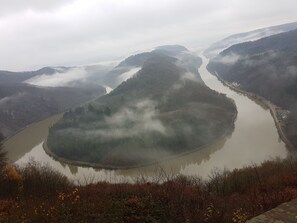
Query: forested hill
x=128 y=67
x=163 y=110
x=253 y=35
x=21 y=104
x=267 y=67
x=27 y=97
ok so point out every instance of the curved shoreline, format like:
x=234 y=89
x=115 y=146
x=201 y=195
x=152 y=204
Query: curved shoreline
x=266 y=103
x=8 y=137
x=112 y=167
x=29 y=125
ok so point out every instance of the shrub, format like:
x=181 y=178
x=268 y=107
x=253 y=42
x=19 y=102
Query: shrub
x=42 y=179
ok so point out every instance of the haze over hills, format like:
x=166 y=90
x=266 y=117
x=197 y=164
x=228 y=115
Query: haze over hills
x=69 y=76
x=26 y=97
x=29 y=96
x=163 y=110
x=266 y=67
x=223 y=44
x=58 y=76
x=130 y=66
x=18 y=77
x=113 y=129
x=22 y=104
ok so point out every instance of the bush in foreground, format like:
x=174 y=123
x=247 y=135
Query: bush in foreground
x=45 y=196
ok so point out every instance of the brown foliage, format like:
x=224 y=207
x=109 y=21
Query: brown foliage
x=232 y=196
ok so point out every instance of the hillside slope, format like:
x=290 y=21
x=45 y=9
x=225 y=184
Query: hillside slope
x=163 y=110
x=131 y=65
x=267 y=67
x=26 y=97
x=22 y=104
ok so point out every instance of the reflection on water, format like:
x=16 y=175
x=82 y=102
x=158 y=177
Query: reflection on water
x=82 y=174
x=171 y=167
x=254 y=140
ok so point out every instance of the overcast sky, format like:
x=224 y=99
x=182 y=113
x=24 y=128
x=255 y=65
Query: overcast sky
x=37 y=33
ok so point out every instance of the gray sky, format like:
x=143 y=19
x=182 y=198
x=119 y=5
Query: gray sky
x=37 y=33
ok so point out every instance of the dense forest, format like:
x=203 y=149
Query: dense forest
x=164 y=110
x=266 y=67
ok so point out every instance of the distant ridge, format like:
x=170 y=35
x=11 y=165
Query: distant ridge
x=219 y=46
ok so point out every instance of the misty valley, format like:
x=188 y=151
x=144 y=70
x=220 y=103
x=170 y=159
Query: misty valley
x=165 y=109
x=160 y=105
x=210 y=131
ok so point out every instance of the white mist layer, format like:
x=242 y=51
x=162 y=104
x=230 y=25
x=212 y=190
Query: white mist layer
x=59 y=79
x=107 y=88
x=125 y=76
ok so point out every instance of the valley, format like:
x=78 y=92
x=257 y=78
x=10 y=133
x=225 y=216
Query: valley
x=28 y=97
x=163 y=111
x=247 y=144
x=148 y=111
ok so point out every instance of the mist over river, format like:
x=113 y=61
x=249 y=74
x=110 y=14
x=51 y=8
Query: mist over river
x=254 y=140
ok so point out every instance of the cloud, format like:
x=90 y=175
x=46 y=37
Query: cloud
x=17 y=96
x=59 y=79
x=218 y=47
x=125 y=76
x=228 y=59
x=133 y=120
x=52 y=33
x=248 y=61
x=107 y=88
x=187 y=76
x=292 y=71
x=15 y=6
x=142 y=116
x=259 y=59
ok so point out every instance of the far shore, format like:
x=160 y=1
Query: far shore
x=267 y=104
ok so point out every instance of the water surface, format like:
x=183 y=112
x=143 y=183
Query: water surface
x=254 y=140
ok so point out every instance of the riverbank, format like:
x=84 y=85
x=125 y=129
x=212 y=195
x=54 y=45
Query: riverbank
x=267 y=104
x=254 y=140
x=112 y=167
x=24 y=141
x=36 y=122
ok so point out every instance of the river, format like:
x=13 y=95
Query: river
x=254 y=140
